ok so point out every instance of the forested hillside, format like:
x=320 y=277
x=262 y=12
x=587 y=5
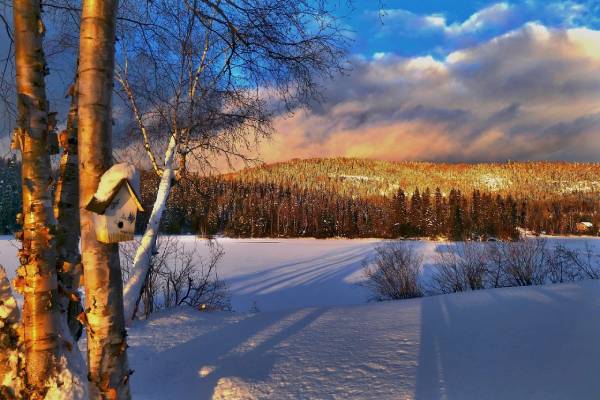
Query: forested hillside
x=368 y=198
x=364 y=177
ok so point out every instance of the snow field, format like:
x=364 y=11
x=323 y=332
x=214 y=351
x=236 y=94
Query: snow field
x=316 y=337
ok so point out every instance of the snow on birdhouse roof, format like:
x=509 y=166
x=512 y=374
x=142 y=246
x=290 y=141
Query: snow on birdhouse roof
x=586 y=224
x=110 y=184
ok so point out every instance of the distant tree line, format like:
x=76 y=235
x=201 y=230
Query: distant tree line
x=211 y=206
x=242 y=208
x=10 y=194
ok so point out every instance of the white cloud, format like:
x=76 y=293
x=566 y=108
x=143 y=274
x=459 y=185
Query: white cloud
x=494 y=15
x=491 y=20
x=436 y=20
x=406 y=21
x=533 y=93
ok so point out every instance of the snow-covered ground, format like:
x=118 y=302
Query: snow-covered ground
x=516 y=343
x=279 y=274
x=291 y=273
x=315 y=336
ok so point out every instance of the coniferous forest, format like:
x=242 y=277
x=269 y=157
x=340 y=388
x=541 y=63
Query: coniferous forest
x=364 y=198
x=10 y=194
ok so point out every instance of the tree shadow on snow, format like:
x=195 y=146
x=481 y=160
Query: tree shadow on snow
x=510 y=343
x=309 y=282
x=238 y=350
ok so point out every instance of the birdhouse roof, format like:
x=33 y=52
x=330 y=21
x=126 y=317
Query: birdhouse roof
x=99 y=205
x=110 y=184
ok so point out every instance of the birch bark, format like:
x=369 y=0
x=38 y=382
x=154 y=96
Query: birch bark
x=36 y=277
x=141 y=261
x=108 y=370
x=66 y=212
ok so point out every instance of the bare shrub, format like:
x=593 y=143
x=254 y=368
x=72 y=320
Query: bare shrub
x=463 y=267
x=472 y=266
x=561 y=266
x=525 y=262
x=585 y=263
x=180 y=276
x=494 y=257
x=533 y=262
x=394 y=272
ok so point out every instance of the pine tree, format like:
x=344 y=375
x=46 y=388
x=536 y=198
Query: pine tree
x=476 y=211
x=455 y=223
x=400 y=214
x=427 y=217
x=415 y=213
x=440 y=213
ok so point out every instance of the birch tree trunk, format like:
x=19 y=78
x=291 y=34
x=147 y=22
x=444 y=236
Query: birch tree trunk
x=107 y=358
x=37 y=273
x=141 y=262
x=66 y=211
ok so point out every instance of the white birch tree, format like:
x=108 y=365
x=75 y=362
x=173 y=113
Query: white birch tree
x=108 y=371
x=212 y=77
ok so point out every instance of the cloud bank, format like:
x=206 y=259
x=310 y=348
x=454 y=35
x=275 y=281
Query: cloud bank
x=530 y=94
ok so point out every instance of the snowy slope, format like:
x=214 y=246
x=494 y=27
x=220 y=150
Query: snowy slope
x=515 y=343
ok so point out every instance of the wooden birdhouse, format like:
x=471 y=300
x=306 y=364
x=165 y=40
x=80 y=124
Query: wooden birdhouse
x=115 y=204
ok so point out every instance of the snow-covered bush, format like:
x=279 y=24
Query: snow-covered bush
x=394 y=272
x=463 y=267
x=180 y=275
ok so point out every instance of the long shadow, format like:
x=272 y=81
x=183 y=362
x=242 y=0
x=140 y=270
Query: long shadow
x=514 y=343
x=258 y=361
x=269 y=278
x=319 y=262
x=431 y=381
x=178 y=363
x=302 y=284
x=242 y=350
